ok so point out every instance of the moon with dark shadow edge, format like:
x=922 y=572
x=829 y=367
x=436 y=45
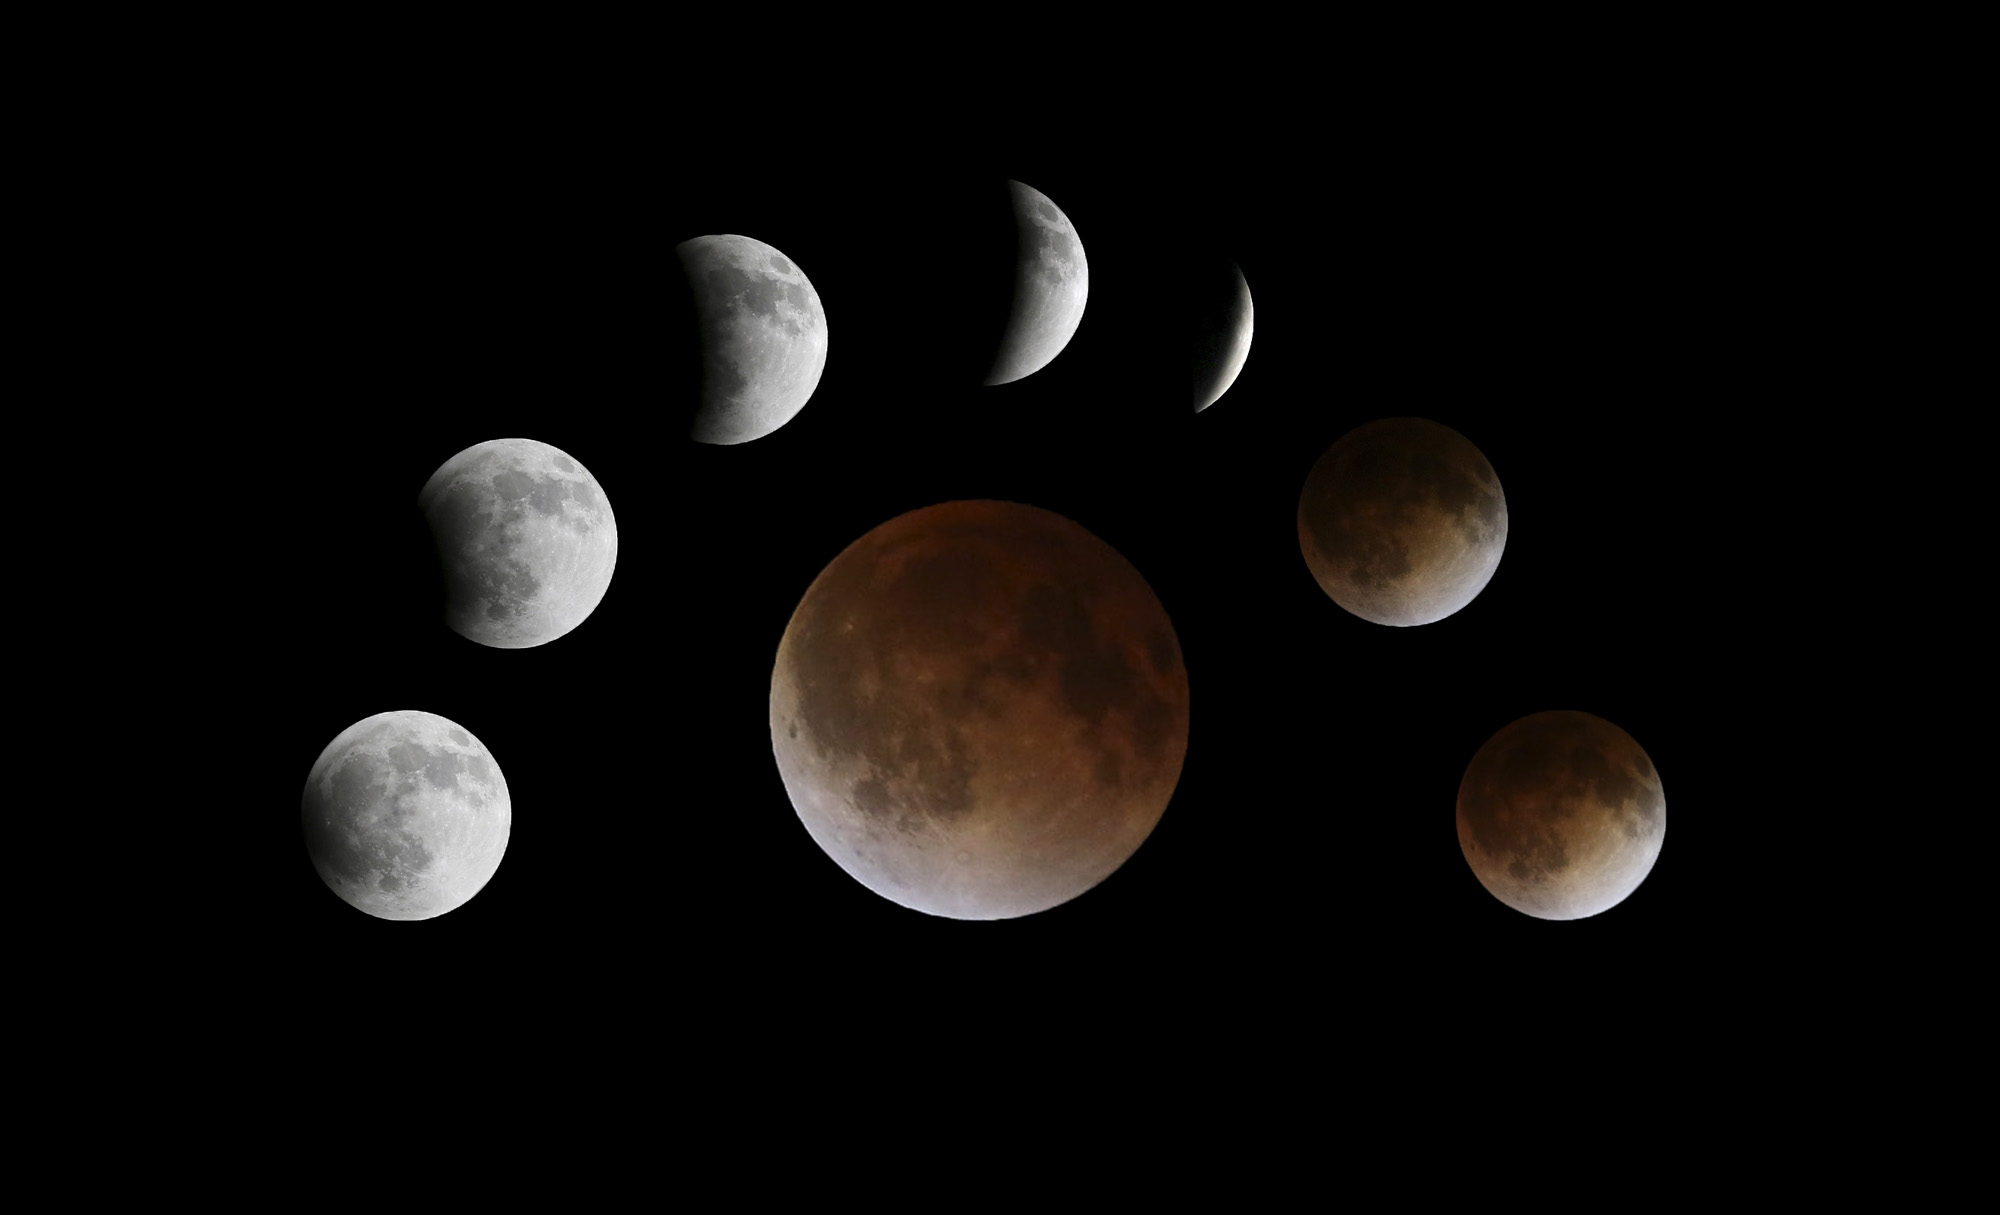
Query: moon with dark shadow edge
x=1561 y=815
x=406 y=815
x=525 y=539
x=979 y=710
x=1051 y=283
x=1221 y=319
x=762 y=345
x=1402 y=521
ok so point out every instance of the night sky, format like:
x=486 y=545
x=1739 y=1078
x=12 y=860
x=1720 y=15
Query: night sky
x=1537 y=286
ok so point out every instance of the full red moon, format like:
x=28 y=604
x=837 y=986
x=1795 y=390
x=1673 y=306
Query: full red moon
x=979 y=710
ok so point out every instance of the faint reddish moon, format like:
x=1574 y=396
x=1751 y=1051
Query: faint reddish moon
x=1402 y=521
x=1561 y=815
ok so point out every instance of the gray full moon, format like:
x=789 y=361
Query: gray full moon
x=1402 y=521
x=526 y=540
x=979 y=710
x=763 y=336
x=1561 y=815
x=1051 y=283
x=1221 y=321
x=406 y=815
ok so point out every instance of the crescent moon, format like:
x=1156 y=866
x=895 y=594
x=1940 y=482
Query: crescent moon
x=1051 y=284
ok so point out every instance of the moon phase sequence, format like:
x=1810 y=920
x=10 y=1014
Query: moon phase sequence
x=979 y=710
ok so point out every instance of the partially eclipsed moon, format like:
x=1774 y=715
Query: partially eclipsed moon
x=1221 y=322
x=1561 y=815
x=406 y=815
x=763 y=336
x=1402 y=521
x=1051 y=283
x=526 y=540
x=979 y=710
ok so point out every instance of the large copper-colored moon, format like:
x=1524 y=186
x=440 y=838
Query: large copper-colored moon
x=1561 y=815
x=406 y=815
x=1402 y=521
x=979 y=710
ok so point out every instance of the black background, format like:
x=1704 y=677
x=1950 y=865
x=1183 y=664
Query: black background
x=1563 y=285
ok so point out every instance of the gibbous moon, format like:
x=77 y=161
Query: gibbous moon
x=979 y=710
x=406 y=815
x=1402 y=521
x=1221 y=323
x=525 y=538
x=1561 y=815
x=1051 y=282
x=762 y=337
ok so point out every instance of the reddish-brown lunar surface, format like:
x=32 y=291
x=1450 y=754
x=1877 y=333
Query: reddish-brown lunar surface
x=1561 y=815
x=979 y=710
x=406 y=816
x=1402 y=521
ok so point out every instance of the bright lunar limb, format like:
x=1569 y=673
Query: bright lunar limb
x=1221 y=321
x=763 y=337
x=979 y=710
x=1402 y=521
x=1561 y=815
x=526 y=540
x=406 y=815
x=1051 y=283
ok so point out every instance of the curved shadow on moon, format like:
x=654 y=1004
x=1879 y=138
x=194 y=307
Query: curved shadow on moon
x=1221 y=317
x=525 y=538
x=762 y=337
x=1051 y=287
